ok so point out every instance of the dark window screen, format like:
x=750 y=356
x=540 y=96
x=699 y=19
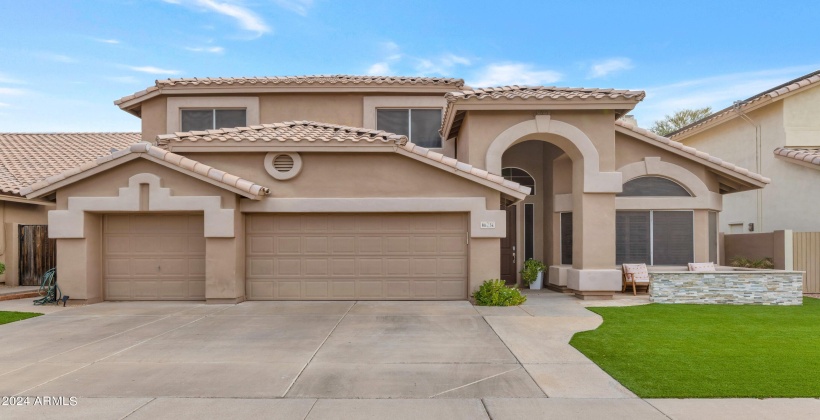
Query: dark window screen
x=566 y=238
x=674 y=236
x=197 y=119
x=653 y=186
x=424 y=126
x=395 y=121
x=230 y=118
x=713 y=236
x=632 y=237
x=520 y=176
x=529 y=223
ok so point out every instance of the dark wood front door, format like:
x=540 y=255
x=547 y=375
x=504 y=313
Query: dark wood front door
x=38 y=254
x=508 y=271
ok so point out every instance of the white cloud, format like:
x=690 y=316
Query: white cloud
x=4 y=78
x=379 y=69
x=56 y=57
x=297 y=6
x=246 y=18
x=212 y=50
x=123 y=79
x=502 y=74
x=4 y=105
x=442 y=65
x=153 y=70
x=609 y=66
x=107 y=41
x=717 y=91
x=7 y=91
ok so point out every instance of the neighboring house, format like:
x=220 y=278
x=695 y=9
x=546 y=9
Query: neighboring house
x=26 y=158
x=391 y=188
x=775 y=133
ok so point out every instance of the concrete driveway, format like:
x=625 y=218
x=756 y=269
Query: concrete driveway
x=312 y=360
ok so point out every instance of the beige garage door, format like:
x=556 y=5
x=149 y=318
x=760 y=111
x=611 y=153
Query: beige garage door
x=357 y=256
x=154 y=257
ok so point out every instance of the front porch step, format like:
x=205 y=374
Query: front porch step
x=594 y=295
x=19 y=292
x=560 y=289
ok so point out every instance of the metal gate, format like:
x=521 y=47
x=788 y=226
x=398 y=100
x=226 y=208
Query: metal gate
x=38 y=254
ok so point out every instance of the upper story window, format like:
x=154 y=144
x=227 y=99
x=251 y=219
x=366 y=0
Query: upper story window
x=210 y=119
x=520 y=176
x=653 y=186
x=420 y=125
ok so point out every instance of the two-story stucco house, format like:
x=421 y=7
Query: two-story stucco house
x=381 y=188
x=776 y=132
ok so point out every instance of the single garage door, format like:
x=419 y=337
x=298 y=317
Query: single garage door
x=154 y=257
x=357 y=256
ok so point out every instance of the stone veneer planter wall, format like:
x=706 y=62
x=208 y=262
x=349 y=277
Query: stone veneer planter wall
x=727 y=287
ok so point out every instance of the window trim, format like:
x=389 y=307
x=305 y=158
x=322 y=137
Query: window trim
x=175 y=106
x=534 y=182
x=371 y=104
x=683 y=187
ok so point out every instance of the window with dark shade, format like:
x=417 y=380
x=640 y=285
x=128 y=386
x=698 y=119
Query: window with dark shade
x=654 y=237
x=529 y=231
x=653 y=186
x=632 y=237
x=673 y=238
x=209 y=119
x=419 y=125
x=566 y=238
x=713 y=237
x=520 y=176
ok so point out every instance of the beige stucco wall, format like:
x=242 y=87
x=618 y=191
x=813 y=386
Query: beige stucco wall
x=154 y=120
x=797 y=185
x=800 y=118
x=13 y=214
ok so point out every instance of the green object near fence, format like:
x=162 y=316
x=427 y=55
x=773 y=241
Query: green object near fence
x=49 y=289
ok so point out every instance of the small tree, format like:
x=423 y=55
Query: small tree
x=678 y=120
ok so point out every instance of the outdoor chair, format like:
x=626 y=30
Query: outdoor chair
x=707 y=266
x=635 y=275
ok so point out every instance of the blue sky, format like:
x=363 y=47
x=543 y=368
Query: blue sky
x=65 y=61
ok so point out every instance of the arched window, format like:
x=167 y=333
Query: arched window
x=653 y=186
x=520 y=176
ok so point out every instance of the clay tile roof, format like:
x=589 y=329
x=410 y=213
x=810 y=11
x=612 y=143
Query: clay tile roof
x=184 y=164
x=543 y=92
x=696 y=155
x=28 y=157
x=315 y=80
x=808 y=156
x=801 y=82
x=312 y=132
x=290 y=131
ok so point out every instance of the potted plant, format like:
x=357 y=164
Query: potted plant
x=533 y=274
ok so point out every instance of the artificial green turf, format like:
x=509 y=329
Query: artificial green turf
x=709 y=351
x=6 y=317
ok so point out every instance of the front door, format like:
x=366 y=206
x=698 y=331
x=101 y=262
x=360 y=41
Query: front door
x=508 y=268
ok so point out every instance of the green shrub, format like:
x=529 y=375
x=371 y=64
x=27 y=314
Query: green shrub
x=764 y=263
x=2 y=268
x=496 y=293
x=531 y=269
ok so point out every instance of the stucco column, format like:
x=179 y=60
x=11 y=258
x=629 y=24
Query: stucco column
x=225 y=265
x=593 y=272
x=79 y=263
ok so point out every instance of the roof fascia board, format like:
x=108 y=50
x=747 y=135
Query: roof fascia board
x=517 y=195
x=797 y=162
x=714 y=167
x=749 y=107
x=261 y=89
x=127 y=158
x=279 y=148
x=24 y=200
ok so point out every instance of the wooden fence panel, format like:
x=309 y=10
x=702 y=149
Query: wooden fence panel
x=38 y=254
x=807 y=258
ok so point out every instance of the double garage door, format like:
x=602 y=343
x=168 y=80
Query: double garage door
x=356 y=256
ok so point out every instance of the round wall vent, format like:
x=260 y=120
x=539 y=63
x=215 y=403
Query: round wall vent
x=283 y=166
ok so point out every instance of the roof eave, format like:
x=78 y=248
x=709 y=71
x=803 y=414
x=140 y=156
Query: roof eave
x=747 y=181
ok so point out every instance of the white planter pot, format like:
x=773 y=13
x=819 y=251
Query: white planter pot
x=539 y=282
